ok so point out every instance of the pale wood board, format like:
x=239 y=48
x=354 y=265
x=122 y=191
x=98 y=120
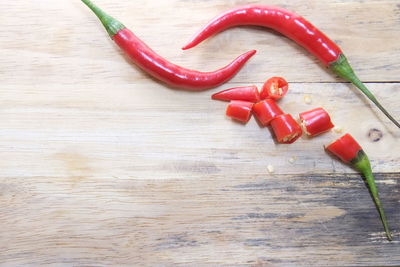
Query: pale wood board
x=103 y=166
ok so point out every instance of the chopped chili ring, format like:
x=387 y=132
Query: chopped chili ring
x=286 y=129
x=246 y=93
x=266 y=110
x=315 y=122
x=239 y=110
x=274 y=88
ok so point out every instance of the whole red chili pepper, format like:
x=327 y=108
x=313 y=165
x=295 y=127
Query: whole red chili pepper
x=275 y=88
x=246 y=93
x=266 y=110
x=296 y=28
x=350 y=152
x=159 y=67
x=239 y=110
x=286 y=129
x=316 y=121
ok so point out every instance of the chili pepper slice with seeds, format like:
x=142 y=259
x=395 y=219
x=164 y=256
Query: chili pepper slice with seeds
x=274 y=88
x=296 y=28
x=286 y=129
x=266 y=110
x=160 y=68
x=315 y=122
x=239 y=110
x=246 y=93
x=350 y=152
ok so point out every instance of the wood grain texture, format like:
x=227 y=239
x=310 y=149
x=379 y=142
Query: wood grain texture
x=103 y=166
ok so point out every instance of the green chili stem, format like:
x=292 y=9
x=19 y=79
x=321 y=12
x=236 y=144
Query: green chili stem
x=112 y=25
x=342 y=68
x=363 y=165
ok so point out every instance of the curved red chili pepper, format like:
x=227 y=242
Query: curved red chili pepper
x=350 y=152
x=296 y=28
x=160 y=68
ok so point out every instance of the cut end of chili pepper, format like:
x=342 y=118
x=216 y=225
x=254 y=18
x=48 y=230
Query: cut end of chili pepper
x=315 y=122
x=112 y=25
x=286 y=129
x=274 y=88
x=239 y=110
x=343 y=69
x=266 y=110
x=246 y=93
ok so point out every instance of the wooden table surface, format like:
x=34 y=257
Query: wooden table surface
x=103 y=166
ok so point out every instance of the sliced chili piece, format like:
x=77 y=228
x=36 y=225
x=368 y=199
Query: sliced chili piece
x=316 y=121
x=266 y=110
x=246 y=93
x=286 y=129
x=274 y=88
x=350 y=152
x=239 y=110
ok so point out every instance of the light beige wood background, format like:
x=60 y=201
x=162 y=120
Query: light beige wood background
x=101 y=165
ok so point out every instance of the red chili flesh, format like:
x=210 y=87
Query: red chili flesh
x=294 y=27
x=159 y=67
x=266 y=110
x=246 y=93
x=346 y=148
x=288 y=23
x=274 y=88
x=286 y=129
x=239 y=110
x=316 y=121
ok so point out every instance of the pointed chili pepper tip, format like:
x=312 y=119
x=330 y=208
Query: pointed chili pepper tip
x=343 y=69
x=112 y=25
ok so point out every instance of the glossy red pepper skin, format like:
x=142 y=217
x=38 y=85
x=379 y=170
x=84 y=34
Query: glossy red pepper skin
x=296 y=28
x=239 y=110
x=274 y=88
x=286 y=129
x=246 y=93
x=316 y=121
x=288 y=23
x=266 y=110
x=157 y=66
x=350 y=152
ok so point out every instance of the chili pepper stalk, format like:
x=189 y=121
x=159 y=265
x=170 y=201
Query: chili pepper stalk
x=343 y=69
x=350 y=152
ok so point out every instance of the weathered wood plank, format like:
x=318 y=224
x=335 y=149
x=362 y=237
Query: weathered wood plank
x=143 y=129
x=100 y=165
x=313 y=219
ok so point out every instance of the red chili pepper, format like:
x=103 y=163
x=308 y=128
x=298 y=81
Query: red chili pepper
x=239 y=110
x=296 y=28
x=316 y=121
x=286 y=129
x=275 y=88
x=350 y=152
x=266 y=110
x=247 y=93
x=160 y=68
